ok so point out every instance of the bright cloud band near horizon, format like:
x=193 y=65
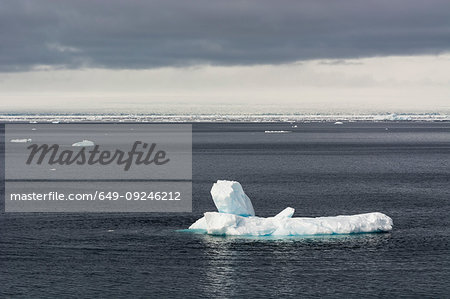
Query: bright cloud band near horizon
x=371 y=85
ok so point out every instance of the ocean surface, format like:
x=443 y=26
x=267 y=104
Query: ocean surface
x=401 y=169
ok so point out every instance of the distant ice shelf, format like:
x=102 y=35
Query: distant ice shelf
x=236 y=217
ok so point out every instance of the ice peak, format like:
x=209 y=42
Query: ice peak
x=229 y=197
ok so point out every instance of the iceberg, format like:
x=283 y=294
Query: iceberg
x=236 y=217
x=84 y=143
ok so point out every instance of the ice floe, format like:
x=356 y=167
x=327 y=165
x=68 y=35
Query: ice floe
x=236 y=217
x=21 y=140
x=277 y=132
x=84 y=143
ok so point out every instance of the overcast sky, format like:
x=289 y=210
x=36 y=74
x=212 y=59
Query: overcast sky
x=306 y=55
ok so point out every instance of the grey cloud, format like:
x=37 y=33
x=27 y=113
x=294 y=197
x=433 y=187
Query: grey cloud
x=145 y=34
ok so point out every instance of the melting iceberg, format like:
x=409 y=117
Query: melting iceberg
x=236 y=217
x=84 y=143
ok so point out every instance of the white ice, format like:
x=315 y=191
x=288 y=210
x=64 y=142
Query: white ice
x=23 y=140
x=282 y=224
x=229 y=197
x=276 y=132
x=84 y=143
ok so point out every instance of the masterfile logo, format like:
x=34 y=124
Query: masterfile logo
x=98 y=167
x=52 y=155
x=98 y=151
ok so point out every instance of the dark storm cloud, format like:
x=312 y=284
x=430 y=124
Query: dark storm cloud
x=145 y=34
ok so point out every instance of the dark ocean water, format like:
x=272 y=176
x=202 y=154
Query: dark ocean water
x=319 y=169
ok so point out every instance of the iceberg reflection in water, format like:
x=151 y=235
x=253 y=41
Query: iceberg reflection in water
x=236 y=217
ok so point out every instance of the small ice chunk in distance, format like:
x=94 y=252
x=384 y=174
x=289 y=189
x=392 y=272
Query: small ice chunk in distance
x=84 y=143
x=276 y=132
x=229 y=197
x=20 y=140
